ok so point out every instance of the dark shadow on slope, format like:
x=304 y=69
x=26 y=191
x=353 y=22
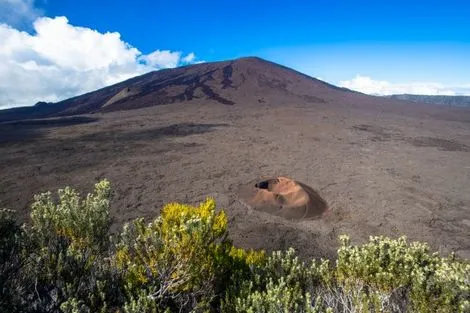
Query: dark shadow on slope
x=53 y=122
x=27 y=130
x=174 y=130
x=186 y=88
x=193 y=83
x=227 y=81
x=103 y=149
x=439 y=143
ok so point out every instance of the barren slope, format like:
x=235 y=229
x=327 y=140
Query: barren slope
x=383 y=166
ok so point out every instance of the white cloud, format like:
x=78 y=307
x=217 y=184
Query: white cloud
x=162 y=58
x=189 y=58
x=368 y=85
x=168 y=59
x=60 y=60
x=18 y=12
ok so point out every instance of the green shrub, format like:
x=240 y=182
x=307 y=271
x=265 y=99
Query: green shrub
x=66 y=266
x=183 y=258
x=386 y=266
x=184 y=261
x=283 y=283
x=82 y=223
x=12 y=244
x=383 y=275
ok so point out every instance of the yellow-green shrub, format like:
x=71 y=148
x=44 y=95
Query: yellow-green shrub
x=183 y=255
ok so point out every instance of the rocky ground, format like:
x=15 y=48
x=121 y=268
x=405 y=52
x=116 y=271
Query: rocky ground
x=381 y=172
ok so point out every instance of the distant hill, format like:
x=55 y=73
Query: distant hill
x=453 y=101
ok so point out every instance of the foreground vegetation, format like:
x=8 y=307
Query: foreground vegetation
x=184 y=261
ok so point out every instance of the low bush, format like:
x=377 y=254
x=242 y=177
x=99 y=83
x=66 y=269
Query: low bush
x=182 y=260
x=65 y=260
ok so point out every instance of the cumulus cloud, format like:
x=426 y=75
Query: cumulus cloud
x=368 y=85
x=167 y=58
x=60 y=60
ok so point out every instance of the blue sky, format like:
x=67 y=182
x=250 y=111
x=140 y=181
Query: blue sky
x=373 y=46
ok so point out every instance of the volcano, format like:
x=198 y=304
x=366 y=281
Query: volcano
x=243 y=81
x=317 y=160
x=246 y=81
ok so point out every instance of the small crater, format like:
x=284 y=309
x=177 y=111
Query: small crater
x=284 y=197
x=267 y=184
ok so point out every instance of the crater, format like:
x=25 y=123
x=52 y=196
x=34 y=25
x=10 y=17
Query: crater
x=283 y=197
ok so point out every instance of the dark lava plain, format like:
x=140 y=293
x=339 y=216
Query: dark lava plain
x=384 y=167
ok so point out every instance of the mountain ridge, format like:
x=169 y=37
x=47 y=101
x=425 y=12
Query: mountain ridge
x=226 y=82
x=452 y=101
x=247 y=81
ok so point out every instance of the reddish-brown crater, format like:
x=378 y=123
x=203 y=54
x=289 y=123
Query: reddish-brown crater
x=284 y=197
